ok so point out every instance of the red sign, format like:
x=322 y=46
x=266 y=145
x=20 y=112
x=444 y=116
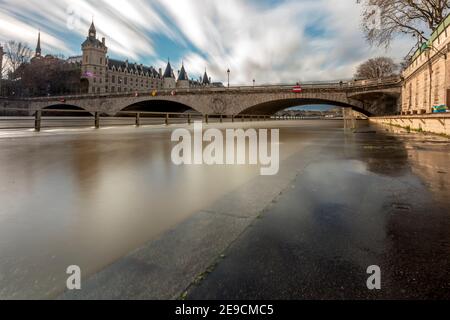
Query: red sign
x=297 y=89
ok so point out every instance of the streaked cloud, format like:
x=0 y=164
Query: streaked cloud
x=269 y=41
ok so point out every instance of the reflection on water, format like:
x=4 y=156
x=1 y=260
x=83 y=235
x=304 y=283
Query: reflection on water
x=90 y=198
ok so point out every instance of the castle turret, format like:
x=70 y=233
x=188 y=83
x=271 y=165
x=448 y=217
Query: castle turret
x=183 y=79
x=206 y=80
x=94 y=65
x=169 y=81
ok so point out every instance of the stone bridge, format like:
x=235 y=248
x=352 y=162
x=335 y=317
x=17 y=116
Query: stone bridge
x=368 y=97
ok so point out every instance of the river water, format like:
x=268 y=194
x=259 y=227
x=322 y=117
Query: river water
x=88 y=198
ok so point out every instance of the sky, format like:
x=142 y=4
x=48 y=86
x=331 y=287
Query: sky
x=270 y=41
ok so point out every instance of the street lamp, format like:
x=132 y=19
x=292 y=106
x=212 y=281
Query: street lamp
x=254 y=83
x=228 y=71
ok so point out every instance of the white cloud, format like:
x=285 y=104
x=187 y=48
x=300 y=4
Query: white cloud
x=283 y=41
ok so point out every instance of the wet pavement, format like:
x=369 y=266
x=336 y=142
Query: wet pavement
x=112 y=202
x=369 y=199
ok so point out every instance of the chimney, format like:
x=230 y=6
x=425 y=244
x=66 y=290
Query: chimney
x=160 y=72
x=104 y=41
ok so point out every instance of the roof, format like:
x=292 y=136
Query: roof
x=183 y=75
x=169 y=72
x=132 y=67
x=436 y=33
x=205 y=78
x=92 y=28
x=92 y=42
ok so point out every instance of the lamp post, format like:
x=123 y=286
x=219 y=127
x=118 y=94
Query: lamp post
x=254 y=83
x=228 y=72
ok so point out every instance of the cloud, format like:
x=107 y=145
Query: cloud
x=269 y=41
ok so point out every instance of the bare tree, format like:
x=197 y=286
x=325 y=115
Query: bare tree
x=16 y=54
x=2 y=66
x=377 y=68
x=384 y=19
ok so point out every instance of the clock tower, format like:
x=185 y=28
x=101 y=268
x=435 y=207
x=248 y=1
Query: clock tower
x=94 y=65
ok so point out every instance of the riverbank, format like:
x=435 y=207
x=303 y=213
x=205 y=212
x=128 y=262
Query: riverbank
x=372 y=199
x=430 y=123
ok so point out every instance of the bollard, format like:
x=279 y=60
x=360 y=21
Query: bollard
x=138 y=119
x=206 y=119
x=189 y=119
x=167 y=119
x=37 y=120
x=97 y=120
x=221 y=119
x=232 y=118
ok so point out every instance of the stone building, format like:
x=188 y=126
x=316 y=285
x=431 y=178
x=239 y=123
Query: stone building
x=100 y=74
x=427 y=78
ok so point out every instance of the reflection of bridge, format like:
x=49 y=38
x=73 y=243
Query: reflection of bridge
x=368 y=97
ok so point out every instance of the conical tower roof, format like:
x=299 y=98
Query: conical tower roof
x=205 y=78
x=183 y=75
x=169 y=72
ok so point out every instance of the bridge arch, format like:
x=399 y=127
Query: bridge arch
x=274 y=106
x=158 y=105
x=77 y=111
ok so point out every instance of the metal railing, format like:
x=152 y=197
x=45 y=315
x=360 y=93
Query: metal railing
x=39 y=118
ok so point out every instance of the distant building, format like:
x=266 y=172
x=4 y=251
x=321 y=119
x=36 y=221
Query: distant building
x=100 y=74
x=48 y=75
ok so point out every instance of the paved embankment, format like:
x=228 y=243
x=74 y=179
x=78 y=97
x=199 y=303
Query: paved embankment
x=436 y=123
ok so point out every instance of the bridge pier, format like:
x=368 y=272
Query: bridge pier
x=138 y=119
x=97 y=120
x=37 y=120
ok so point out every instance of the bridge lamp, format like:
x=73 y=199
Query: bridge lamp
x=228 y=72
x=254 y=83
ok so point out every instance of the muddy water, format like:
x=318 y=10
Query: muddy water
x=90 y=197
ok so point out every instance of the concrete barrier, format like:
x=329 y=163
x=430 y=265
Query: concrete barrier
x=437 y=124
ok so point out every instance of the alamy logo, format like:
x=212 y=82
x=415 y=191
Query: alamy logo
x=374 y=281
x=229 y=150
x=74 y=280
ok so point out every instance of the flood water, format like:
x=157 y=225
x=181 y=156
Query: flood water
x=90 y=197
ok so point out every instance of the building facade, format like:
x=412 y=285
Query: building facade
x=100 y=74
x=427 y=78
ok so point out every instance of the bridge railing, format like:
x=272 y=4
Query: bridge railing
x=63 y=118
x=325 y=85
